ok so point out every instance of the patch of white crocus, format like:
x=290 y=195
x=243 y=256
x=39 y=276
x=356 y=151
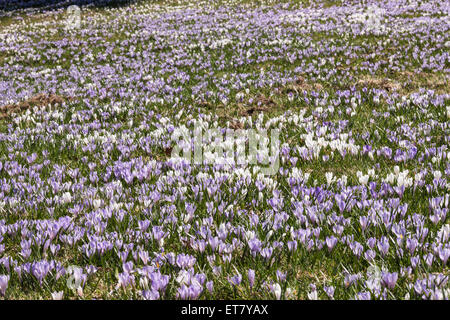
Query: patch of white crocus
x=401 y=177
x=371 y=20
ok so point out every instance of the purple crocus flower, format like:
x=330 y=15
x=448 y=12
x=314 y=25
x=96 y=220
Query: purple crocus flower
x=281 y=276
x=185 y=261
x=444 y=254
x=389 y=279
x=267 y=252
x=429 y=259
x=369 y=255
x=128 y=267
x=411 y=245
x=236 y=279
x=371 y=242
x=383 y=245
x=159 y=281
x=251 y=277
x=195 y=290
x=210 y=286
x=4 y=279
x=150 y=294
x=363 y=221
x=125 y=280
x=255 y=245
x=292 y=245
x=329 y=291
x=331 y=242
x=363 y=296
x=415 y=261
x=183 y=292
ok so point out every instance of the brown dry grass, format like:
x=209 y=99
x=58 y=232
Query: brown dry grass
x=406 y=82
x=300 y=85
x=379 y=83
x=39 y=100
x=260 y=104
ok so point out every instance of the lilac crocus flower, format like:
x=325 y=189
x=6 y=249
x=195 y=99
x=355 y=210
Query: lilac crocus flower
x=329 y=291
x=251 y=277
x=195 y=290
x=281 y=276
x=429 y=259
x=150 y=294
x=236 y=279
x=267 y=252
x=389 y=279
x=255 y=245
x=363 y=221
x=444 y=254
x=125 y=280
x=4 y=279
x=185 y=261
x=128 y=267
x=363 y=296
x=383 y=246
x=159 y=281
x=331 y=242
x=369 y=255
x=371 y=242
x=183 y=292
x=292 y=245
x=210 y=286
x=415 y=261
x=411 y=245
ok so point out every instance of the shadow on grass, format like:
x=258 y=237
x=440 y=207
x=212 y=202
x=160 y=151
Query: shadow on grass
x=12 y=5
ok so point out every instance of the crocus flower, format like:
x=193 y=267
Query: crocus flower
x=236 y=279
x=331 y=242
x=57 y=295
x=4 y=279
x=276 y=289
x=210 y=286
x=329 y=291
x=251 y=277
x=150 y=294
x=389 y=279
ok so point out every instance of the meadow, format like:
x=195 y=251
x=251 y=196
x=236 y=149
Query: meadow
x=93 y=205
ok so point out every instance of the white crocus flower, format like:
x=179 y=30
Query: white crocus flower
x=330 y=178
x=277 y=290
